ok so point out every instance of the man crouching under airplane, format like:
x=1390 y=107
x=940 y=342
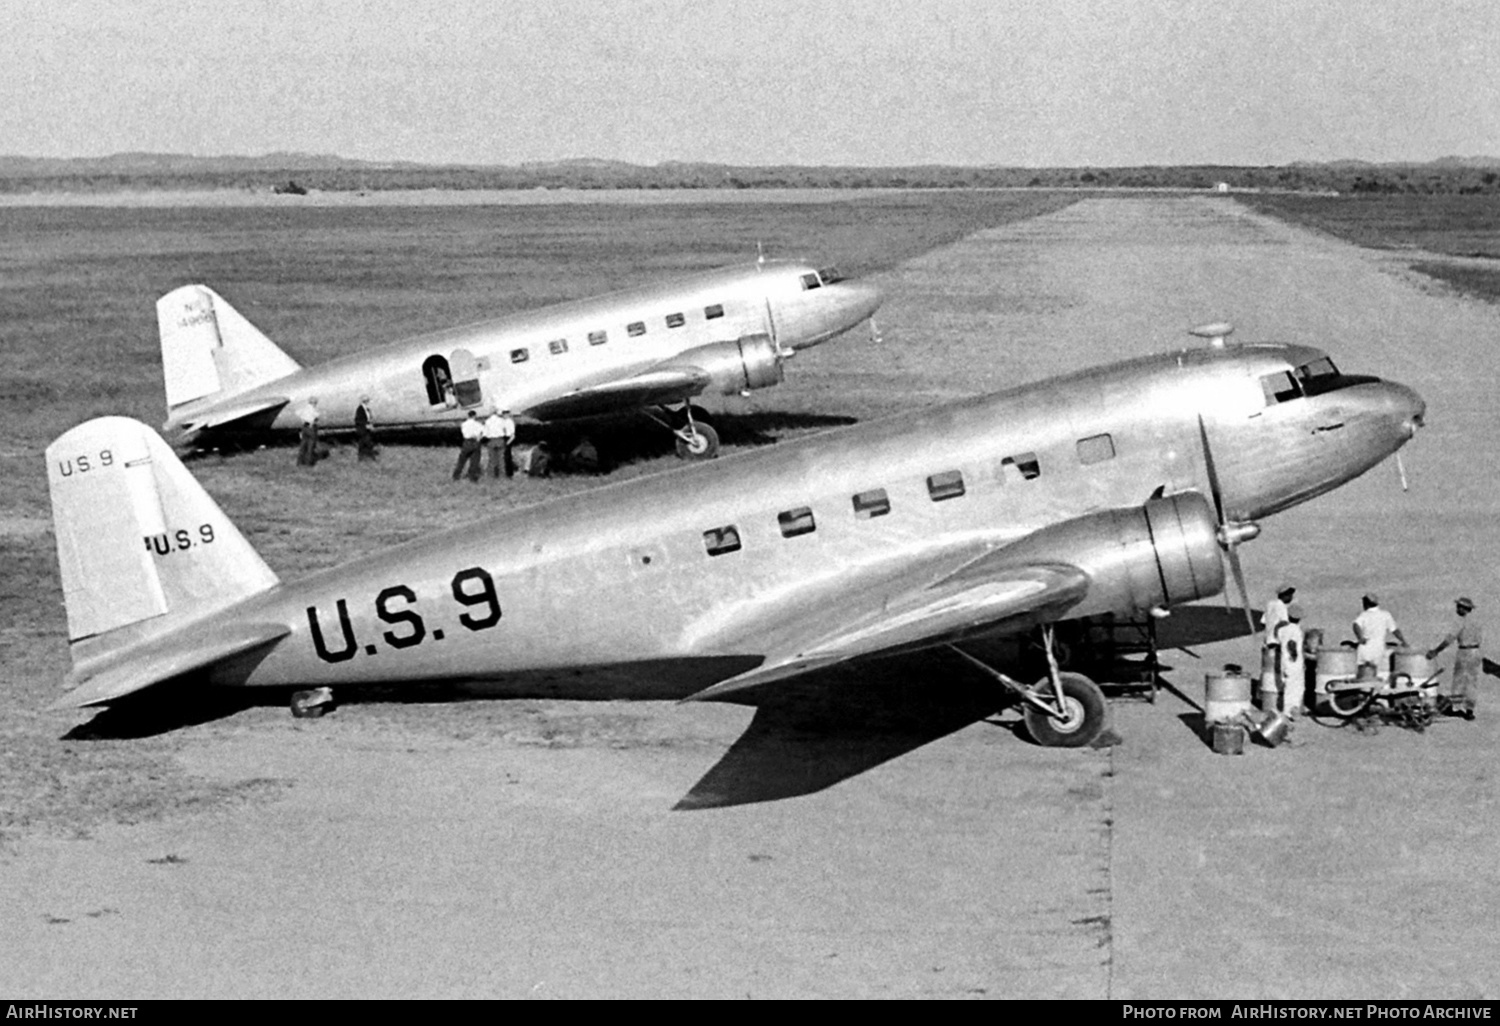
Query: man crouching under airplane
x=1116 y=490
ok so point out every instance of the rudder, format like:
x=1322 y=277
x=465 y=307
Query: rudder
x=138 y=539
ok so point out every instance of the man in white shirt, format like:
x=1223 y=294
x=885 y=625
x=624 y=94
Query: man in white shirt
x=471 y=450
x=1372 y=630
x=499 y=433
x=1290 y=662
x=307 y=454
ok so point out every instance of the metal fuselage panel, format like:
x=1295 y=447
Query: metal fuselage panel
x=622 y=573
x=758 y=299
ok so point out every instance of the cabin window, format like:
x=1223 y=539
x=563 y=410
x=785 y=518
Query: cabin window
x=558 y=346
x=874 y=503
x=636 y=328
x=1096 y=449
x=1023 y=466
x=1280 y=387
x=520 y=355
x=796 y=521
x=947 y=485
x=598 y=338
x=676 y=320
x=713 y=312
x=830 y=275
x=720 y=540
x=810 y=281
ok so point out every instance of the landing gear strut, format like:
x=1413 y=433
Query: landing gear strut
x=312 y=704
x=1062 y=710
x=696 y=438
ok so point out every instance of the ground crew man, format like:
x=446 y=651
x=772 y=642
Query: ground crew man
x=364 y=429
x=471 y=449
x=1372 y=630
x=1290 y=665
x=499 y=433
x=1270 y=647
x=307 y=454
x=1463 y=692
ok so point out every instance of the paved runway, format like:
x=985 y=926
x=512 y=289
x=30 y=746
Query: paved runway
x=884 y=840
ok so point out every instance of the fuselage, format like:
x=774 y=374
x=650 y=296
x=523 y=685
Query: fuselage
x=522 y=360
x=672 y=566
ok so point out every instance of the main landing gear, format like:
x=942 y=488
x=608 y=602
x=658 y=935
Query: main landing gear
x=696 y=437
x=1062 y=710
x=313 y=703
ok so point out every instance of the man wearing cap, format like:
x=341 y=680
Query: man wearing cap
x=499 y=433
x=1463 y=693
x=1290 y=664
x=1373 y=628
x=1270 y=647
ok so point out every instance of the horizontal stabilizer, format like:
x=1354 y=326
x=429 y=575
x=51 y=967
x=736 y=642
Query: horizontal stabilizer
x=224 y=415
x=131 y=669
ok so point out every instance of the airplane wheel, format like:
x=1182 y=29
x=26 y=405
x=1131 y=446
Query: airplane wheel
x=704 y=444
x=312 y=704
x=1084 y=704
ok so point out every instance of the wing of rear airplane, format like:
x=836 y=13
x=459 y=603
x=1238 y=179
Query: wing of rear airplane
x=649 y=388
x=980 y=594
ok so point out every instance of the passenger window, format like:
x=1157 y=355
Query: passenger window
x=558 y=346
x=810 y=281
x=598 y=338
x=830 y=275
x=720 y=540
x=520 y=355
x=874 y=503
x=712 y=312
x=676 y=320
x=637 y=328
x=947 y=485
x=796 y=521
x=1096 y=449
x=1023 y=466
x=1280 y=387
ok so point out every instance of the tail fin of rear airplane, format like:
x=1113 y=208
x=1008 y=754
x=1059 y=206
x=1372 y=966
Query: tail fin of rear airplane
x=142 y=548
x=208 y=349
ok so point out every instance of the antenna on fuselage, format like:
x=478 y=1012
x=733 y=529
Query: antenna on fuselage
x=1216 y=332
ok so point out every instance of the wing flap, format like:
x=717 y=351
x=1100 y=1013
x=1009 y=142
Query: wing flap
x=127 y=670
x=960 y=605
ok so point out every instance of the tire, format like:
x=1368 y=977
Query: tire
x=1347 y=703
x=309 y=705
x=704 y=446
x=1084 y=703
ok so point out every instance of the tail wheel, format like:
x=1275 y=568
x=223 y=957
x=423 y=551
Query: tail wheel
x=312 y=704
x=1083 y=719
x=701 y=444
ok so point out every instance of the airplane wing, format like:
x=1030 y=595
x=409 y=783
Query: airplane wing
x=649 y=388
x=982 y=594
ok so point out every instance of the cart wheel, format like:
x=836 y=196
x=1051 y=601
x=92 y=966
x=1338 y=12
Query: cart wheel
x=1347 y=703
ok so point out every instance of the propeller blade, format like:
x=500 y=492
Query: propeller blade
x=1213 y=473
x=1229 y=538
x=1239 y=582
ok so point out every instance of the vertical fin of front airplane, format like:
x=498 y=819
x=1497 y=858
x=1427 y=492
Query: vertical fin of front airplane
x=208 y=349
x=139 y=542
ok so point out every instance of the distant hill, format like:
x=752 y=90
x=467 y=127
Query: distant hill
x=331 y=173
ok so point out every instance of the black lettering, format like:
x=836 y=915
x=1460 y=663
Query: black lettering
x=106 y=457
x=206 y=532
x=160 y=543
x=484 y=596
x=347 y=652
x=83 y=465
x=183 y=540
x=418 y=631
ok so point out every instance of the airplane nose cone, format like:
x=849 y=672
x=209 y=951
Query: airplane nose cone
x=1409 y=407
x=864 y=300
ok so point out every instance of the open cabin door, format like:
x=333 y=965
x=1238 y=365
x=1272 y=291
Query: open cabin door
x=466 y=388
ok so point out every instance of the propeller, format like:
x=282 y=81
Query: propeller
x=1230 y=534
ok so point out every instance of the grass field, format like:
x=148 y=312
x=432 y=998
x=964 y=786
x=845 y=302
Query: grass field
x=1459 y=226
x=77 y=326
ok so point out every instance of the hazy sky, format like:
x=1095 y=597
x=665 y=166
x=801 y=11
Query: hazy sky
x=1019 y=82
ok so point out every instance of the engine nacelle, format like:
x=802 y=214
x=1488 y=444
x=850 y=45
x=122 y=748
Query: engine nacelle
x=751 y=361
x=1159 y=554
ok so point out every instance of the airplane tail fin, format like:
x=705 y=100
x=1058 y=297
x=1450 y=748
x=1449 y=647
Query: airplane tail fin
x=141 y=547
x=208 y=349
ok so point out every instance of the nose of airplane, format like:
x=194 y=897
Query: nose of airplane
x=864 y=300
x=1406 y=407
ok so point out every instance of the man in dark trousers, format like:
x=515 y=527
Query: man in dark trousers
x=1463 y=688
x=364 y=430
x=472 y=448
x=308 y=454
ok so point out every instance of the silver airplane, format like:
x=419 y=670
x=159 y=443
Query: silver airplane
x=719 y=332
x=1114 y=490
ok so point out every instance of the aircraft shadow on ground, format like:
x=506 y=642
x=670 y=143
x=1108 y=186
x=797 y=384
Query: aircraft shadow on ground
x=619 y=440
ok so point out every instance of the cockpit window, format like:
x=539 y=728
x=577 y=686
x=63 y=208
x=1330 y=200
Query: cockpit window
x=830 y=275
x=1320 y=376
x=1280 y=387
x=810 y=281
